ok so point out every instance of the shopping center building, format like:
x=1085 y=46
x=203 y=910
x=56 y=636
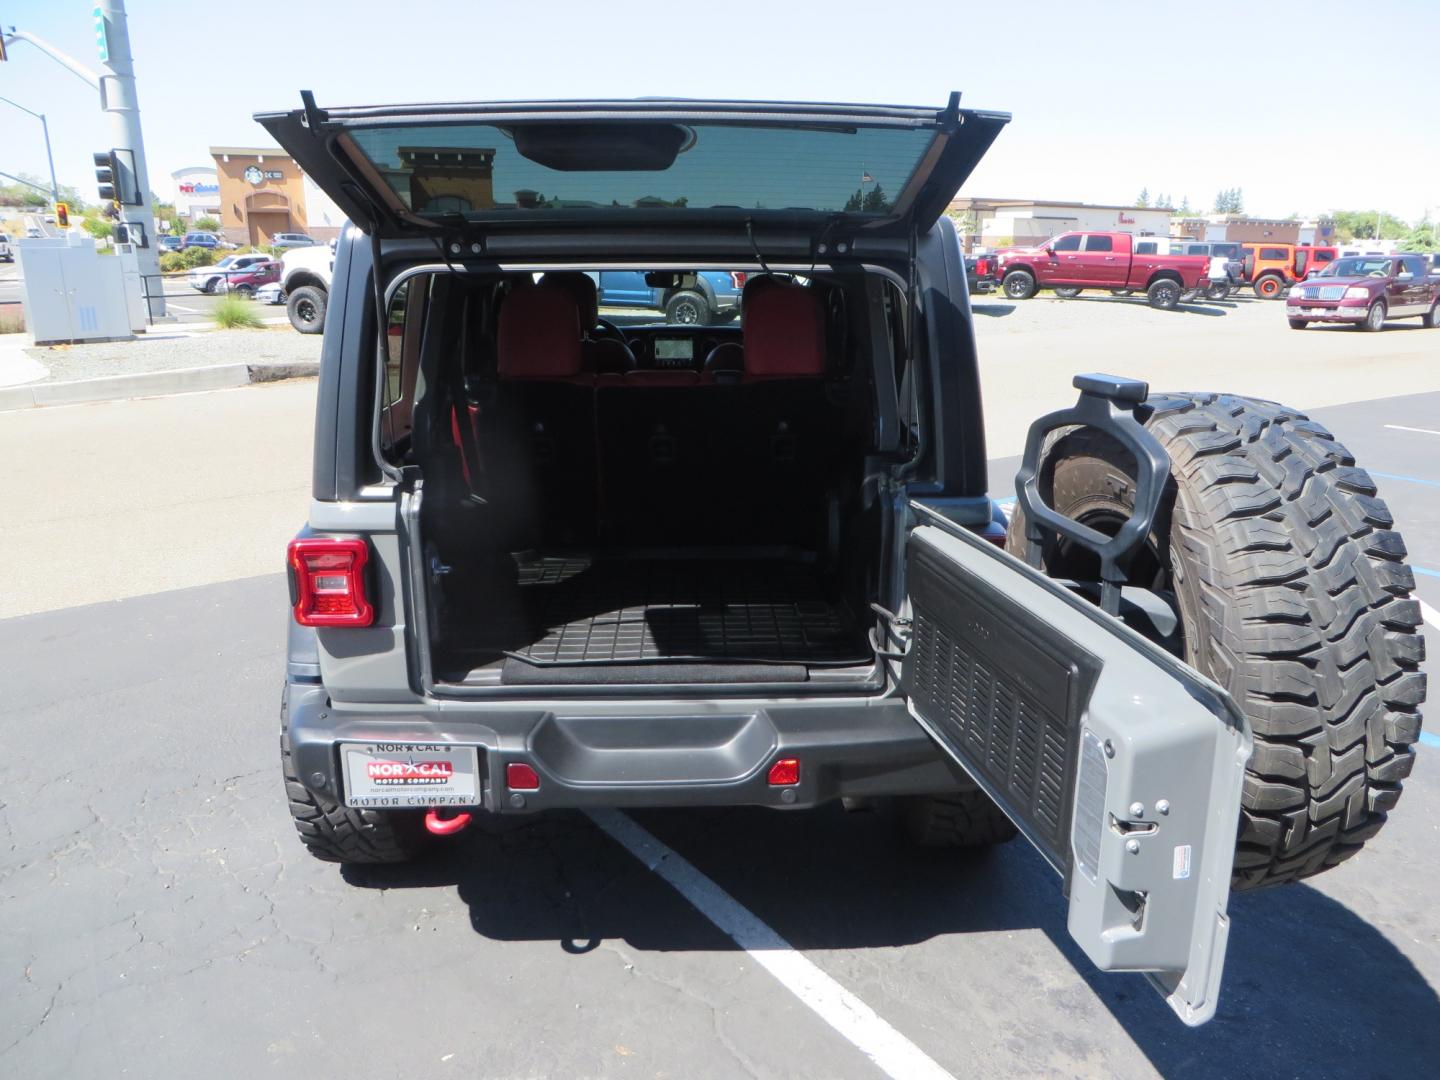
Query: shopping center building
x=263 y=192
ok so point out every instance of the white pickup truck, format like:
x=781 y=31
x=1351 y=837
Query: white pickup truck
x=304 y=286
x=7 y=253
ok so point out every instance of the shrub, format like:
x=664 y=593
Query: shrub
x=172 y=262
x=205 y=224
x=11 y=324
x=233 y=313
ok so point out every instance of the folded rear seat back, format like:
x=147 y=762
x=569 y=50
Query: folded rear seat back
x=541 y=436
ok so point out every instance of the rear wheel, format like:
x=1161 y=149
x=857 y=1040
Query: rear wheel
x=1374 y=318
x=965 y=819
x=215 y=285
x=1268 y=286
x=340 y=834
x=1019 y=284
x=1299 y=324
x=245 y=292
x=1432 y=317
x=688 y=308
x=306 y=308
x=1217 y=291
x=1067 y=291
x=1164 y=294
x=1293 y=595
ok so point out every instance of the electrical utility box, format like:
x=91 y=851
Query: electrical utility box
x=72 y=292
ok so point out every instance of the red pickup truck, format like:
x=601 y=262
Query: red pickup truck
x=1099 y=260
x=1365 y=290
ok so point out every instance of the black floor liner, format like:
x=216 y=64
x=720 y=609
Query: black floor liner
x=643 y=610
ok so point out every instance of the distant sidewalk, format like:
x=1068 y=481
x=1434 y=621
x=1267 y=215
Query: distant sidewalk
x=168 y=360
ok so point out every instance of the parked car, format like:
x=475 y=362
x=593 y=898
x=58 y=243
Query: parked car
x=305 y=281
x=32 y=233
x=171 y=243
x=978 y=275
x=245 y=281
x=1075 y=261
x=688 y=298
x=1365 y=291
x=271 y=293
x=1310 y=258
x=200 y=239
x=214 y=278
x=6 y=254
x=291 y=240
x=760 y=567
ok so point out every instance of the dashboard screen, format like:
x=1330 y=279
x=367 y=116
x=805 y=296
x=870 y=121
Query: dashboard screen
x=674 y=349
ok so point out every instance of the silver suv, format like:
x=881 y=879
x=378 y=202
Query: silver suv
x=562 y=556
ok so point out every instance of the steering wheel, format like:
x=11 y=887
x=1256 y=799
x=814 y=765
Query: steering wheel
x=611 y=330
x=1376 y=273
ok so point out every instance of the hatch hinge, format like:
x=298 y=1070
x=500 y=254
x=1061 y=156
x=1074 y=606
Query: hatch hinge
x=950 y=117
x=314 y=115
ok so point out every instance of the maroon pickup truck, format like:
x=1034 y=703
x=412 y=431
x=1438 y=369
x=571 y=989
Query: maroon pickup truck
x=1365 y=290
x=1099 y=260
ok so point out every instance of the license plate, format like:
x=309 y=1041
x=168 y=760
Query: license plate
x=1317 y=311
x=396 y=775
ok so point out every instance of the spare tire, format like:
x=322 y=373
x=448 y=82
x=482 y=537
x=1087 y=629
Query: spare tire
x=1293 y=595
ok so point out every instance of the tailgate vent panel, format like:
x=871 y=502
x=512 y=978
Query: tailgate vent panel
x=1003 y=690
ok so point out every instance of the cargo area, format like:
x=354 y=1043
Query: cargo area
x=703 y=522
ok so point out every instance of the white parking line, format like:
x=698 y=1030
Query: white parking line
x=892 y=1052
x=1420 y=430
x=1430 y=615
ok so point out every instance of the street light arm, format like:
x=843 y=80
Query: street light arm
x=63 y=59
x=27 y=183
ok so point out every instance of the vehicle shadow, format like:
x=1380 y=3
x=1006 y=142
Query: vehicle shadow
x=1311 y=989
x=995 y=311
x=1193 y=307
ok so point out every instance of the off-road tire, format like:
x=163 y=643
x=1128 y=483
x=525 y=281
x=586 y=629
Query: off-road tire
x=1298 y=324
x=306 y=309
x=688 y=308
x=1269 y=286
x=1374 y=320
x=1068 y=292
x=1164 y=294
x=1018 y=285
x=1293 y=595
x=964 y=819
x=340 y=834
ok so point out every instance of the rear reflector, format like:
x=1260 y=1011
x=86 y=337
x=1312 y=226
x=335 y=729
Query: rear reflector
x=327 y=582
x=737 y=278
x=785 y=772
x=521 y=777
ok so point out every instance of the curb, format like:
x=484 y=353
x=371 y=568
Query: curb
x=151 y=384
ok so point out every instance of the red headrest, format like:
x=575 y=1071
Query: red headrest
x=582 y=287
x=539 y=334
x=784 y=331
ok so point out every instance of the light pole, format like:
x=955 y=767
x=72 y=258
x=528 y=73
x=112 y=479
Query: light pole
x=49 y=157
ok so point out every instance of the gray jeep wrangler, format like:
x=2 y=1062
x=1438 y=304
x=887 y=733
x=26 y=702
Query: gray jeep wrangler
x=560 y=557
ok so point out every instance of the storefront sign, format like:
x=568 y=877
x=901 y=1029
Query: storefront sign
x=255 y=175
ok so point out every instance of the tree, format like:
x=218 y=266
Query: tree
x=207 y=224
x=1163 y=202
x=1230 y=201
x=98 y=227
x=1422 y=237
x=1185 y=209
x=875 y=200
x=1361 y=225
x=1143 y=199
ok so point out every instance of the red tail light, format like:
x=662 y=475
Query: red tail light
x=327 y=582
x=521 y=777
x=737 y=278
x=785 y=772
x=982 y=267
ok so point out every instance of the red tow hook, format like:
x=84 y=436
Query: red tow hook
x=445 y=826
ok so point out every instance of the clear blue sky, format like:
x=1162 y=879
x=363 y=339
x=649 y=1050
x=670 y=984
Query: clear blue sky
x=1104 y=104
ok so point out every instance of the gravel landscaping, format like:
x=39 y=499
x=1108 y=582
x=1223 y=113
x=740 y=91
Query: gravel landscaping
x=169 y=350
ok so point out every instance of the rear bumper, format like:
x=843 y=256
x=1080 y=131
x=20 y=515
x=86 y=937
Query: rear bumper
x=642 y=754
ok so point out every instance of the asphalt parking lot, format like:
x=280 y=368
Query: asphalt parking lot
x=160 y=919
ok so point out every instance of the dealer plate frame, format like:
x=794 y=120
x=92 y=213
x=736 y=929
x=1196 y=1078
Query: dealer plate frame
x=423 y=788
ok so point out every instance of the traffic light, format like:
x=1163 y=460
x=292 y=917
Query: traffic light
x=62 y=215
x=106 y=171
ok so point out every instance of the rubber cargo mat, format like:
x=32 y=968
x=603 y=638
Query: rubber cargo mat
x=637 y=611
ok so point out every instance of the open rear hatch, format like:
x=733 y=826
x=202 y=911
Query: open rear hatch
x=827 y=170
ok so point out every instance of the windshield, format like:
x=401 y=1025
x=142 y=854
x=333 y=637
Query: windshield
x=473 y=168
x=1360 y=266
x=677 y=298
x=226 y=261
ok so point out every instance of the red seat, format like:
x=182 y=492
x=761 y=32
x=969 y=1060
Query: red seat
x=784 y=330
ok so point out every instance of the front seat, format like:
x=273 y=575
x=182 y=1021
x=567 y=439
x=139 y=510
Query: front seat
x=604 y=354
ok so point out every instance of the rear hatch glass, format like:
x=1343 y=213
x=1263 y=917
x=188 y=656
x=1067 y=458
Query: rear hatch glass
x=414 y=168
